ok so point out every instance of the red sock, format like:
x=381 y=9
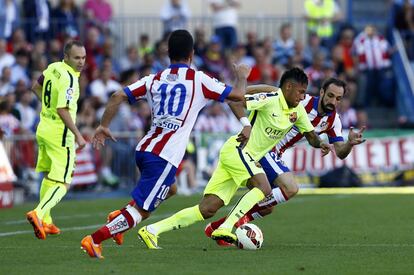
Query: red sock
x=116 y=226
x=217 y=223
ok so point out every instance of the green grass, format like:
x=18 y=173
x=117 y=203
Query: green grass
x=325 y=234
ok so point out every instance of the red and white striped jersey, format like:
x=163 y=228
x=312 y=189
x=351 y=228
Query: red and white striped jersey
x=176 y=96
x=330 y=124
x=373 y=53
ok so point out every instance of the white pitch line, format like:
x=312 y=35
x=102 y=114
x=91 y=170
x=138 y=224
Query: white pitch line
x=76 y=216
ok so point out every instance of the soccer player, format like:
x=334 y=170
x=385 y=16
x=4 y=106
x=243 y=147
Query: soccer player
x=56 y=134
x=176 y=96
x=273 y=115
x=322 y=114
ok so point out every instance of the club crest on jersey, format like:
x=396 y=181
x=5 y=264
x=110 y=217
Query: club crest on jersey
x=323 y=124
x=172 y=77
x=293 y=117
x=69 y=93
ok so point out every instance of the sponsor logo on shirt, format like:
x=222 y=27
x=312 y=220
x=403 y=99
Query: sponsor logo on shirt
x=273 y=133
x=69 y=94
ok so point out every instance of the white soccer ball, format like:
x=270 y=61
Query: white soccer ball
x=249 y=236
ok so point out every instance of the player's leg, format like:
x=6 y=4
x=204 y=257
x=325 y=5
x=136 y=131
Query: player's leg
x=219 y=190
x=119 y=237
x=241 y=166
x=157 y=175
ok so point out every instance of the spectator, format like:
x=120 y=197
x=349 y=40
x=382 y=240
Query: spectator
x=284 y=47
x=130 y=60
x=263 y=71
x=314 y=46
x=347 y=113
x=28 y=116
x=404 y=22
x=225 y=21
x=37 y=14
x=18 y=42
x=9 y=124
x=103 y=87
x=161 y=60
x=20 y=70
x=6 y=86
x=6 y=59
x=214 y=59
x=342 y=55
x=316 y=73
x=215 y=119
x=9 y=18
x=65 y=18
x=174 y=15
x=98 y=13
x=144 y=45
x=252 y=43
x=320 y=16
x=375 y=78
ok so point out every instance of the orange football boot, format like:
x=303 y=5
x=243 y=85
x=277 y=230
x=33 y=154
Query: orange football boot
x=51 y=229
x=93 y=250
x=37 y=224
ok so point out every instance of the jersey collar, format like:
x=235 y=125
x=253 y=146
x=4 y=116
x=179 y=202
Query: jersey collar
x=70 y=69
x=178 y=65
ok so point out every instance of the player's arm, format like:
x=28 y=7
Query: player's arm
x=314 y=140
x=67 y=120
x=342 y=149
x=260 y=88
x=37 y=87
x=242 y=71
x=103 y=132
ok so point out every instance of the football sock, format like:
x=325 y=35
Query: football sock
x=46 y=184
x=51 y=197
x=128 y=219
x=180 y=219
x=277 y=197
x=243 y=206
x=217 y=223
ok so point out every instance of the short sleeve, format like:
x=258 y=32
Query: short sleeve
x=138 y=89
x=214 y=89
x=335 y=132
x=260 y=100
x=303 y=123
x=64 y=86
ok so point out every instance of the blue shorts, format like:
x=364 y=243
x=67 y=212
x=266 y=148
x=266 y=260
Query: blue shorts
x=273 y=167
x=157 y=176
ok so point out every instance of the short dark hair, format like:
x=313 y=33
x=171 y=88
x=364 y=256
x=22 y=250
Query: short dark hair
x=180 y=45
x=335 y=81
x=70 y=44
x=296 y=74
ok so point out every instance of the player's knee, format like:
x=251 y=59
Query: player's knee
x=291 y=189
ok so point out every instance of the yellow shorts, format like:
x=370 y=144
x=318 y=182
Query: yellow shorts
x=56 y=160
x=235 y=167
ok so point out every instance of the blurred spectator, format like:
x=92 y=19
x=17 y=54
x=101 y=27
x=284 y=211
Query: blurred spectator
x=103 y=87
x=20 y=69
x=27 y=115
x=263 y=71
x=144 y=46
x=6 y=86
x=9 y=124
x=108 y=55
x=214 y=59
x=252 y=43
x=94 y=50
x=284 y=47
x=225 y=21
x=54 y=53
x=161 y=59
x=65 y=20
x=375 y=79
x=37 y=18
x=174 y=15
x=316 y=73
x=314 y=46
x=6 y=59
x=215 y=119
x=404 y=22
x=9 y=18
x=347 y=113
x=130 y=60
x=18 y=42
x=98 y=13
x=342 y=55
x=240 y=56
x=320 y=16
x=200 y=42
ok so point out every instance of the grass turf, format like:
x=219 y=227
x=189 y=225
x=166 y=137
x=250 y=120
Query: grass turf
x=312 y=234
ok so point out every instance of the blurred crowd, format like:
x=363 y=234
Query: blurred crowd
x=32 y=34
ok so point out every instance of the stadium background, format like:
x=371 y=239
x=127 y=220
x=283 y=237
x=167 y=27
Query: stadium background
x=386 y=159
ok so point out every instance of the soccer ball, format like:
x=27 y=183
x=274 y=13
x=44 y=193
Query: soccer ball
x=249 y=236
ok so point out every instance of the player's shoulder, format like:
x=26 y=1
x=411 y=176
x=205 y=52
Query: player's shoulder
x=55 y=70
x=264 y=96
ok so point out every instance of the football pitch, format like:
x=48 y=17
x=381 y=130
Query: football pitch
x=311 y=234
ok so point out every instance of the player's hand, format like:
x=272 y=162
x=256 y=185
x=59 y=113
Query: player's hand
x=242 y=70
x=326 y=148
x=355 y=138
x=80 y=141
x=101 y=133
x=244 y=136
